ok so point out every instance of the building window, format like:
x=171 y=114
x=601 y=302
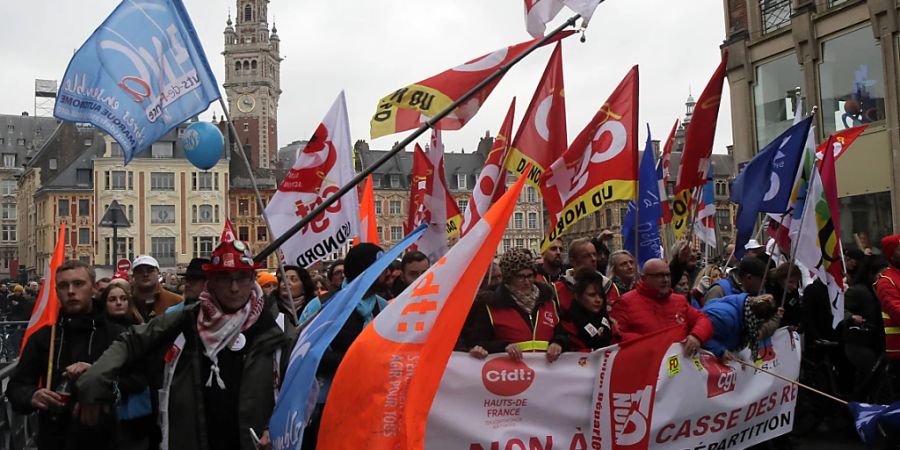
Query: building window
x=163 y=249
x=88 y=142
x=202 y=181
x=248 y=13
x=162 y=214
x=84 y=236
x=262 y=234
x=7 y=232
x=8 y=187
x=243 y=207
x=396 y=233
x=52 y=164
x=775 y=98
x=9 y=160
x=775 y=14
x=609 y=221
x=394 y=206
x=376 y=181
x=380 y=231
x=378 y=207
x=63 y=209
x=518 y=219
x=506 y=245
x=84 y=207
x=622 y=213
x=461 y=181
x=8 y=211
x=244 y=234
x=20 y=141
x=124 y=249
x=851 y=81
x=83 y=176
x=530 y=194
x=131 y=213
x=115 y=150
x=395 y=181
x=116 y=180
x=203 y=246
x=202 y=214
x=162 y=149
x=520 y=243
x=532 y=221
x=162 y=181
x=723 y=218
x=462 y=204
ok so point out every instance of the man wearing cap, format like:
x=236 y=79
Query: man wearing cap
x=148 y=294
x=887 y=288
x=224 y=357
x=747 y=278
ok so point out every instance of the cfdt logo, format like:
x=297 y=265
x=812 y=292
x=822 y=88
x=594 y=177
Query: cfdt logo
x=721 y=378
x=505 y=377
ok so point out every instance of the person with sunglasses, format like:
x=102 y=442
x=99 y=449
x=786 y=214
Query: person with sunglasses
x=224 y=357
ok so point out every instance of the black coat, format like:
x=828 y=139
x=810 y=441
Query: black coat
x=78 y=339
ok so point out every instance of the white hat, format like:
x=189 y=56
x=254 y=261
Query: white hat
x=144 y=260
x=752 y=244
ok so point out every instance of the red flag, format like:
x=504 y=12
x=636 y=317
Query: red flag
x=600 y=166
x=665 y=159
x=228 y=234
x=46 y=308
x=491 y=183
x=407 y=107
x=368 y=225
x=831 y=244
x=421 y=172
x=541 y=137
x=385 y=385
x=698 y=147
x=840 y=143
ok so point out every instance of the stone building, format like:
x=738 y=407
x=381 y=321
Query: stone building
x=842 y=55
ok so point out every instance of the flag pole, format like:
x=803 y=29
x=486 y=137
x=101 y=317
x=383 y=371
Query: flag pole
x=409 y=139
x=794 y=382
x=239 y=149
x=766 y=272
x=50 y=356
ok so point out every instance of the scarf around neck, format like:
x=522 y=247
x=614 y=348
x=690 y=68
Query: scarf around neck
x=527 y=299
x=218 y=330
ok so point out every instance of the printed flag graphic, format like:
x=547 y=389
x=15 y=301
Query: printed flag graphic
x=645 y=241
x=491 y=183
x=228 y=233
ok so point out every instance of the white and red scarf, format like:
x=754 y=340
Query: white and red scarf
x=219 y=330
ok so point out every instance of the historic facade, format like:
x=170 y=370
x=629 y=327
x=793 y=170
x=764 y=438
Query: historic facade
x=842 y=55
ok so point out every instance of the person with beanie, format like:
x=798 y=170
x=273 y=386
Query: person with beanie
x=224 y=356
x=521 y=315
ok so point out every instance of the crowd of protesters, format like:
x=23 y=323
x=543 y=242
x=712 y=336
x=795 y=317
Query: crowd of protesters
x=140 y=360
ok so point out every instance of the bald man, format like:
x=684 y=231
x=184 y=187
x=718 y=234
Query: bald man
x=652 y=306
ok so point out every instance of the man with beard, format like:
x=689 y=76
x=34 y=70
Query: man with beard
x=582 y=255
x=412 y=265
x=82 y=335
x=551 y=268
x=223 y=357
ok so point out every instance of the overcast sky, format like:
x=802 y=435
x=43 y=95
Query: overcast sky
x=370 y=48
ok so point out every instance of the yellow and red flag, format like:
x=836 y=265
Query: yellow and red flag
x=698 y=147
x=407 y=107
x=385 y=385
x=368 y=225
x=600 y=166
x=828 y=224
x=541 y=137
x=491 y=183
x=46 y=308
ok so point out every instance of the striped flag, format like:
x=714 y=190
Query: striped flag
x=46 y=309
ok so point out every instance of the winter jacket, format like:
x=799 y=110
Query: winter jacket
x=642 y=311
x=201 y=417
x=564 y=290
x=727 y=317
x=860 y=300
x=887 y=288
x=81 y=338
x=163 y=299
x=502 y=322
x=585 y=331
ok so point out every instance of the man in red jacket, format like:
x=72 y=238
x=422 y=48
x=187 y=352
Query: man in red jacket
x=887 y=288
x=652 y=306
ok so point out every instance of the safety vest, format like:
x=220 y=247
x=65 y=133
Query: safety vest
x=511 y=326
x=891 y=326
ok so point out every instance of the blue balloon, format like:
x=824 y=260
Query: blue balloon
x=203 y=144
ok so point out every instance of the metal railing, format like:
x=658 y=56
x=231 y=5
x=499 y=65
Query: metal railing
x=16 y=430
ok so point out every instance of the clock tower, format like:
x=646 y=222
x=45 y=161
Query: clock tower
x=252 y=80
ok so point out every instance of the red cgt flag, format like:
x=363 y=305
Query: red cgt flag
x=46 y=309
x=407 y=107
x=840 y=143
x=541 y=137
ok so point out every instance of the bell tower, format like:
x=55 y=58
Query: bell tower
x=252 y=80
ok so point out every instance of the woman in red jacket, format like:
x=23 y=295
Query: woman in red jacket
x=520 y=316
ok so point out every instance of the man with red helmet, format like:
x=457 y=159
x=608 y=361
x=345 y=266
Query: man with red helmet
x=223 y=359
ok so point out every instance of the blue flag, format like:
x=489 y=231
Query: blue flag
x=785 y=164
x=760 y=185
x=140 y=74
x=648 y=242
x=868 y=417
x=300 y=390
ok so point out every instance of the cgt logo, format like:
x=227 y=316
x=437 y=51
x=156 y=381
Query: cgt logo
x=505 y=377
x=721 y=379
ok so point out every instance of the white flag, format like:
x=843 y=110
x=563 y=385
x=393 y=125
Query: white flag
x=540 y=12
x=321 y=169
x=434 y=242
